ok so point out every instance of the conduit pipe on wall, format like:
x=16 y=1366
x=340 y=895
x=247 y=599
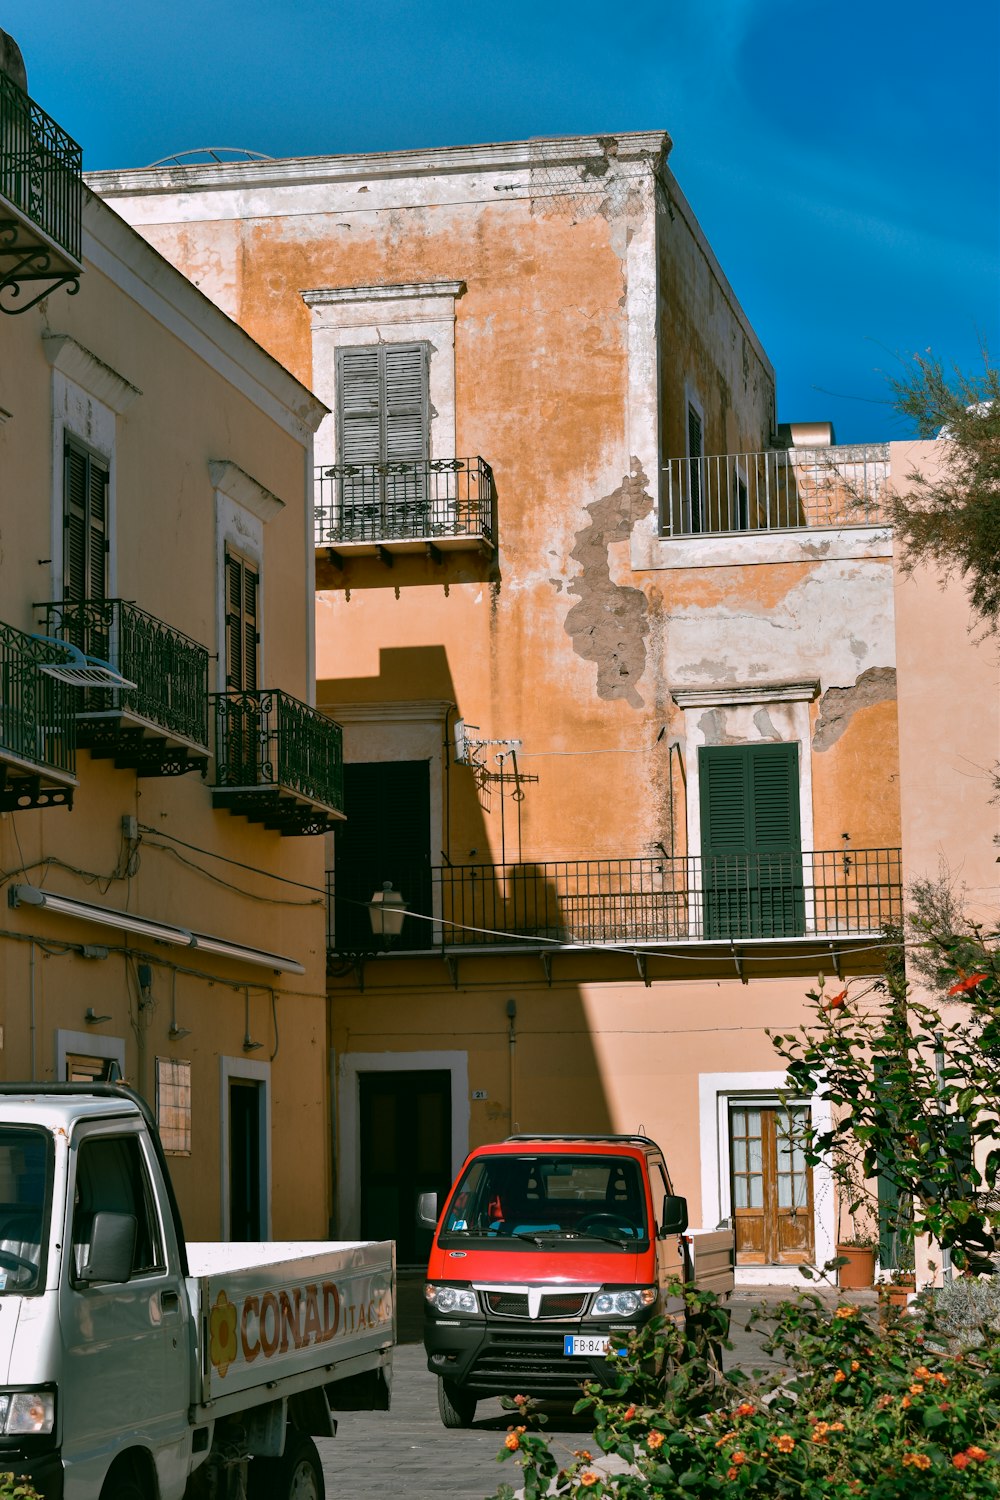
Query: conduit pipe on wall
x=511 y=1044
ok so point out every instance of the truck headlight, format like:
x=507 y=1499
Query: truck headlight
x=451 y=1299
x=27 y=1412
x=624 y=1303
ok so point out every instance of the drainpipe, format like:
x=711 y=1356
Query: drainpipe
x=946 y=1270
x=31 y=1007
x=511 y=1044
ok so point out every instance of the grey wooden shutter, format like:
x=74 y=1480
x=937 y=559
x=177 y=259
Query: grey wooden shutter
x=359 y=401
x=242 y=625
x=405 y=402
x=383 y=410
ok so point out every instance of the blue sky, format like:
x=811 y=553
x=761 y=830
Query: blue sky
x=844 y=160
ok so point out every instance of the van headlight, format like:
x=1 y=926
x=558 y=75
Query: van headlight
x=451 y=1299
x=624 y=1303
x=23 y=1412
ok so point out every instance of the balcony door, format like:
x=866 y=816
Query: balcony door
x=405 y=1151
x=386 y=836
x=84 y=616
x=751 y=850
x=240 y=751
x=383 y=425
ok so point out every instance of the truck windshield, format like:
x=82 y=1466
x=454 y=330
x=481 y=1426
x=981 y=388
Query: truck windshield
x=592 y=1197
x=25 y=1173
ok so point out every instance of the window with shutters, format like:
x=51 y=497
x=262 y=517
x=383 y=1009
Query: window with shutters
x=383 y=424
x=85 y=524
x=751 y=852
x=240 y=744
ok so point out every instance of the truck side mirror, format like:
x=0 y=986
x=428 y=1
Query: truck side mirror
x=674 y=1218
x=112 y=1248
x=427 y=1210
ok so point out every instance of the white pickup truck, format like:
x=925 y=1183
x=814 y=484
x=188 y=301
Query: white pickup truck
x=134 y=1366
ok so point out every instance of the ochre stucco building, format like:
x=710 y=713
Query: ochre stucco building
x=614 y=657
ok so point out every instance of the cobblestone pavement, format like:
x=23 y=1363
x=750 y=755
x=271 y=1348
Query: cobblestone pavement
x=407 y=1452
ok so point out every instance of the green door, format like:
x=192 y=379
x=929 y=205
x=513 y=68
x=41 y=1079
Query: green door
x=750 y=841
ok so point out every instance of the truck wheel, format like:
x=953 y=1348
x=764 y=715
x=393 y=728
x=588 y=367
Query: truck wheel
x=123 y=1488
x=296 y=1475
x=457 y=1407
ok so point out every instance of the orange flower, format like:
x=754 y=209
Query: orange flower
x=784 y=1443
x=745 y=1409
x=654 y=1441
x=855 y=1365
x=921 y=1373
x=727 y=1437
x=941 y=1379
x=630 y=1413
x=838 y=1377
x=588 y=1477
x=846 y=1310
x=906 y=1402
x=512 y=1441
x=739 y=1457
x=961 y=1460
x=883 y=1402
x=732 y=1473
x=979 y=1454
x=835 y=1001
x=916 y=1460
x=583 y=1454
x=967 y=982
x=916 y=1389
x=819 y=1432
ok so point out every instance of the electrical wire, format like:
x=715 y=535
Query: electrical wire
x=228 y=884
x=161 y=833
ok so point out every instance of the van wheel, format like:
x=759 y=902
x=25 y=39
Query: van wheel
x=296 y=1475
x=457 y=1407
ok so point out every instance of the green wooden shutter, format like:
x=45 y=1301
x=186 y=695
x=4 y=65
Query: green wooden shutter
x=234 y=623
x=750 y=840
x=85 y=525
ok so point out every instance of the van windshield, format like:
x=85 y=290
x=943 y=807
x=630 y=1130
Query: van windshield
x=578 y=1197
x=25 y=1182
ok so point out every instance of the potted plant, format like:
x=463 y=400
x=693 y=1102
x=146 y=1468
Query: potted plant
x=857 y=1254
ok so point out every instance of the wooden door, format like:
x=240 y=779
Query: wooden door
x=405 y=1151
x=771 y=1184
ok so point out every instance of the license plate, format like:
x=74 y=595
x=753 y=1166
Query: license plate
x=597 y=1345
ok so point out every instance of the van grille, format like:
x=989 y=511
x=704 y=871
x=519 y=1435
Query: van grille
x=553 y=1304
x=529 y=1359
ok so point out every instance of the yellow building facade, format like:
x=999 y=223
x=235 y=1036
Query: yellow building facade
x=161 y=767
x=613 y=654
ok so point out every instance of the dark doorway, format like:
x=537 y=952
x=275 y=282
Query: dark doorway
x=386 y=836
x=246 y=1160
x=405 y=1150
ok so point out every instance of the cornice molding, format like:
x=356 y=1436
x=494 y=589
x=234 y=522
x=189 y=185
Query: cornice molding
x=645 y=145
x=230 y=480
x=413 y=710
x=89 y=372
x=335 y=296
x=735 y=697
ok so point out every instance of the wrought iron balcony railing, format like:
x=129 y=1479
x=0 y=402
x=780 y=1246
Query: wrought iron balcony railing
x=278 y=761
x=169 y=669
x=37 y=725
x=41 y=199
x=776 y=491
x=446 y=502
x=651 y=900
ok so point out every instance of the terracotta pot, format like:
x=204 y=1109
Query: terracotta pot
x=898 y=1292
x=860 y=1269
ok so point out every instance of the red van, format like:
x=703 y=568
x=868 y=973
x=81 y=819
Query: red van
x=548 y=1248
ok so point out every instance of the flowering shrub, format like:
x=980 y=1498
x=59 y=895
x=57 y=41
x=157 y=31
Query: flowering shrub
x=12 y=1488
x=885 y=1412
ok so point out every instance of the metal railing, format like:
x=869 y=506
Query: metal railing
x=650 y=900
x=37 y=720
x=169 y=669
x=433 y=498
x=266 y=738
x=776 y=491
x=41 y=168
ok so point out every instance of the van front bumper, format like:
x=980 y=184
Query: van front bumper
x=42 y=1468
x=509 y=1356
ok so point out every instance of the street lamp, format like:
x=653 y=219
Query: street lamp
x=387 y=910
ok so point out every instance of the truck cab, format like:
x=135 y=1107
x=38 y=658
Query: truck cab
x=550 y=1251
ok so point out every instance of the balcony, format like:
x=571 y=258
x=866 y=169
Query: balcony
x=782 y=490
x=434 y=506
x=835 y=896
x=37 y=727
x=159 y=726
x=41 y=202
x=277 y=762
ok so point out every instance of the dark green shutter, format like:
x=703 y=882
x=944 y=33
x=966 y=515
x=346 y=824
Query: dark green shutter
x=694 y=470
x=750 y=840
x=242 y=625
x=85 y=525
